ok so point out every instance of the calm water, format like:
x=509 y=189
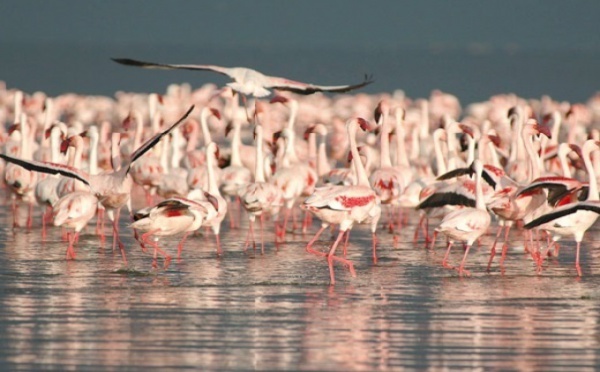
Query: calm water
x=277 y=311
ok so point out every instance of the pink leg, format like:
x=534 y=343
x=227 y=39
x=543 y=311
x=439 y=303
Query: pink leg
x=426 y=229
x=461 y=268
x=577 y=259
x=313 y=240
x=14 y=212
x=331 y=257
x=419 y=226
x=180 y=245
x=435 y=233
x=44 y=217
x=445 y=260
x=251 y=236
x=306 y=222
x=505 y=245
x=492 y=255
x=283 y=229
x=116 y=238
x=345 y=251
x=219 y=251
x=70 y=250
x=374 y=236
x=30 y=216
x=231 y=220
x=262 y=234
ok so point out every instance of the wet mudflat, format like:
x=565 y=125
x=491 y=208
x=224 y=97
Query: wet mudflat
x=249 y=311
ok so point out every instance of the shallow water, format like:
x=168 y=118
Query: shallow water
x=277 y=311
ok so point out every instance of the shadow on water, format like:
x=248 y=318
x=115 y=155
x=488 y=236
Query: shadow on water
x=277 y=311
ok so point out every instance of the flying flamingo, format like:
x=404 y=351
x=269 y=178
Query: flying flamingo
x=112 y=189
x=251 y=82
x=345 y=205
x=575 y=218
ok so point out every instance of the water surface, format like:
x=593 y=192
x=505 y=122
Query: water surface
x=277 y=312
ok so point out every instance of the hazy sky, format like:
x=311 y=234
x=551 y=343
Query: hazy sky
x=340 y=23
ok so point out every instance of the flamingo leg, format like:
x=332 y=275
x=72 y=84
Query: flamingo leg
x=218 y=238
x=262 y=234
x=70 y=251
x=345 y=251
x=180 y=245
x=374 y=238
x=419 y=226
x=313 y=240
x=30 y=216
x=435 y=233
x=461 y=268
x=445 y=260
x=14 y=212
x=577 y=259
x=505 y=245
x=331 y=257
x=306 y=222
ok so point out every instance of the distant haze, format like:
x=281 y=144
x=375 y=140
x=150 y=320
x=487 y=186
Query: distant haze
x=471 y=48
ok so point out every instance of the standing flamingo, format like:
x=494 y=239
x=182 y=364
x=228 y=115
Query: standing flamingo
x=466 y=224
x=345 y=205
x=575 y=218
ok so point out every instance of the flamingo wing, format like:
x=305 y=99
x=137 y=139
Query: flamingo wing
x=166 y=66
x=49 y=168
x=154 y=140
x=305 y=88
x=593 y=206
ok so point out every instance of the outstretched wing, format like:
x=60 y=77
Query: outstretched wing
x=593 y=206
x=305 y=88
x=50 y=168
x=167 y=66
x=154 y=140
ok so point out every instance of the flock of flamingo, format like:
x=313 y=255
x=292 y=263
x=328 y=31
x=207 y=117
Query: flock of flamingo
x=348 y=159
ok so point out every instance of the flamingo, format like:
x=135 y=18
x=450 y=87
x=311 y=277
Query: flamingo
x=575 y=218
x=169 y=217
x=251 y=82
x=466 y=224
x=214 y=203
x=21 y=180
x=345 y=205
x=74 y=211
x=112 y=189
x=259 y=197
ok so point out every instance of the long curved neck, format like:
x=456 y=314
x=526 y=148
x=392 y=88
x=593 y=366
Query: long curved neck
x=562 y=158
x=25 y=148
x=55 y=145
x=47 y=121
x=115 y=151
x=471 y=150
x=312 y=150
x=424 y=125
x=361 y=174
x=204 y=124
x=384 y=139
x=139 y=130
x=593 y=192
x=259 y=171
x=534 y=170
x=213 y=189
x=439 y=156
x=78 y=155
x=494 y=155
x=323 y=166
x=557 y=121
x=401 y=156
x=93 y=153
x=175 y=147
x=236 y=142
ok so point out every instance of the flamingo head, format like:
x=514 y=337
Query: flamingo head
x=364 y=124
x=128 y=122
x=495 y=140
x=513 y=111
x=64 y=145
x=279 y=99
x=467 y=130
x=543 y=129
x=228 y=128
x=216 y=113
x=14 y=127
x=308 y=131
x=383 y=107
